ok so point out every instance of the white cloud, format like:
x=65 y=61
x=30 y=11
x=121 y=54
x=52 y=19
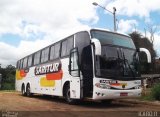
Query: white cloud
x=57 y=19
x=125 y=26
x=48 y=15
x=53 y=18
x=157 y=43
x=10 y=54
x=141 y=8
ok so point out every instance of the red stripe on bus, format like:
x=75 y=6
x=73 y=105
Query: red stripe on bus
x=115 y=84
x=55 y=76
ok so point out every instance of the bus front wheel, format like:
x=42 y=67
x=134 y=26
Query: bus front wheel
x=67 y=96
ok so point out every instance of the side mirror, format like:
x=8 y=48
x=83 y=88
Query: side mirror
x=147 y=53
x=97 y=45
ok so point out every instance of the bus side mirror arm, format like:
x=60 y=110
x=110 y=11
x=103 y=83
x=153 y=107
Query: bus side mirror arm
x=147 y=53
x=97 y=46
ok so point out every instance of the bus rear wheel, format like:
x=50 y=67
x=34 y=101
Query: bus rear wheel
x=23 y=90
x=67 y=96
x=28 y=91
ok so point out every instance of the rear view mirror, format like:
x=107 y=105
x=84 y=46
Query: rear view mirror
x=147 y=53
x=97 y=45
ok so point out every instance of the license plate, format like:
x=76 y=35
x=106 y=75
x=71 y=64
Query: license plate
x=123 y=94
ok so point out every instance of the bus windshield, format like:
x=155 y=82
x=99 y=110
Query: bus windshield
x=112 y=39
x=118 y=58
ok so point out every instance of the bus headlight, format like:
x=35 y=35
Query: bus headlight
x=107 y=87
x=137 y=87
x=137 y=82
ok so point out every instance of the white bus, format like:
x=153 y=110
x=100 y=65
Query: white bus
x=95 y=64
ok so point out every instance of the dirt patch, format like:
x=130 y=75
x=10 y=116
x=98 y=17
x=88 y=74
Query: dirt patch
x=39 y=105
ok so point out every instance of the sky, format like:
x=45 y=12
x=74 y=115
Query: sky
x=29 y=25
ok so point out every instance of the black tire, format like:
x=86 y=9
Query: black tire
x=23 y=90
x=28 y=91
x=67 y=96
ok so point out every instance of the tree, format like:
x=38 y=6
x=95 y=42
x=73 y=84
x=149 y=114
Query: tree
x=152 y=29
x=8 y=77
x=136 y=36
x=144 y=42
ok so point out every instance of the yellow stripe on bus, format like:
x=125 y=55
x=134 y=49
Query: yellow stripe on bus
x=47 y=83
x=18 y=76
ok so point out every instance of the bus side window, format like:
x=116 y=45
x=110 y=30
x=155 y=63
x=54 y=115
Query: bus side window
x=25 y=62
x=30 y=61
x=57 y=50
x=74 y=63
x=18 y=63
x=54 y=52
x=21 y=64
x=67 y=45
x=64 y=48
x=42 y=55
x=82 y=40
x=45 y=54
x=37 y=58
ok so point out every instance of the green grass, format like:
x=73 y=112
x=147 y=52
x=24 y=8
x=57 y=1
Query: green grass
x=7 y=90
x=155 y=91
x=152 y=94
x=146 y=95
x=147 y=98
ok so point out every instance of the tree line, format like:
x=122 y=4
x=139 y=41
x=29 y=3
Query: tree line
x=8 y=77
x=144 y=42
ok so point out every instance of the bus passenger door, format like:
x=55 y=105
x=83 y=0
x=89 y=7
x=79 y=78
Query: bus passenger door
x=75 y=74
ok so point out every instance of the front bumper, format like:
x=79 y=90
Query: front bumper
x=103 y=94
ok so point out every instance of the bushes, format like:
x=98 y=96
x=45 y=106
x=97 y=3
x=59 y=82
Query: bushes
x=155 y=91
x=8 y=78
x=8 y=86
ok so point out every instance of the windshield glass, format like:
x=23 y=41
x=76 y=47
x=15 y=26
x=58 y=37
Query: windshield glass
x=118 y=57
x=112 y=39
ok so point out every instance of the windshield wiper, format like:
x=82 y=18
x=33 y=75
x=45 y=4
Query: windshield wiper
x=120 y=61
x=126 y=62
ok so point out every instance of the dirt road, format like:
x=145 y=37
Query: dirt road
x=12 y=103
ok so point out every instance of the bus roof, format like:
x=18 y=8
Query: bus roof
x=101 y=29
x=82 y=30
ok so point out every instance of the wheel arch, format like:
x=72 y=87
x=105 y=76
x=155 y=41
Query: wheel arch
x=23 y=86
x=64 y=86
x=28 y=83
